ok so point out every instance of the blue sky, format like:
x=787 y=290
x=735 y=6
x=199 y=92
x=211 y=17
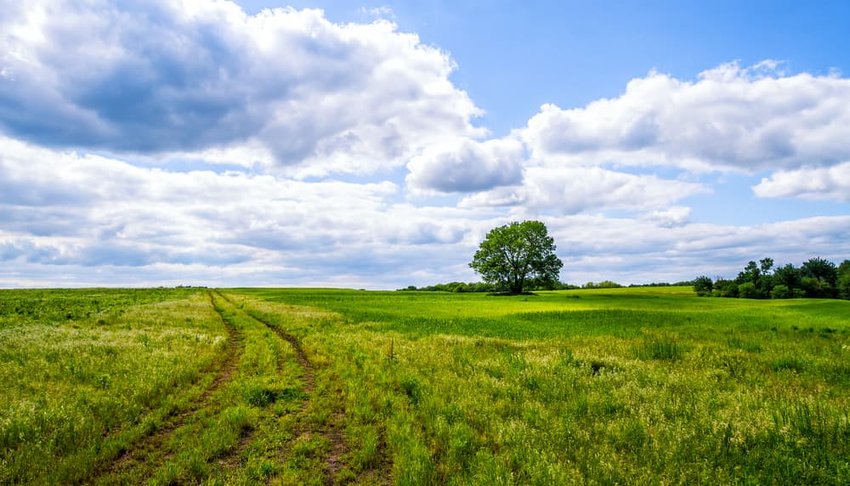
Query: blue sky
x=373 y=145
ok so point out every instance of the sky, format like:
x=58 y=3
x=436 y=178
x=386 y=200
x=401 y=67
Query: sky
x=373 y=145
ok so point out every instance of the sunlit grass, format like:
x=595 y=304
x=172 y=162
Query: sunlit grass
x=586 y=386
x=624 y=385
x=82 y=375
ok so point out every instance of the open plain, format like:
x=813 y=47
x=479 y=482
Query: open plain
x=321 y=386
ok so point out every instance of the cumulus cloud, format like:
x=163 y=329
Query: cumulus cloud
x=571 y=190
x=732 y=117
x=100 y=220
x=468 y=166
x=596 y=247
x=73 y=212
x=162 y=76
x=671 y=217
x=172 y=142
x=820 y=183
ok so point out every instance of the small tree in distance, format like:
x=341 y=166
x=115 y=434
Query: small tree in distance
x=516 y=254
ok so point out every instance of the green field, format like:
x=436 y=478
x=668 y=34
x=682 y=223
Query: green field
x=304 y=386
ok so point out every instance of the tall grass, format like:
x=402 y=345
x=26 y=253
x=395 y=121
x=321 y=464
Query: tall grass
x=575 y=387
x=82 y=374
x=603 y=386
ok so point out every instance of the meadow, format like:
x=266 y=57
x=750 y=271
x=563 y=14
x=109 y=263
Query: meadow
x=324 y=386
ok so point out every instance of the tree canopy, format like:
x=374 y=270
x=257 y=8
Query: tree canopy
x=516 y=255
x=815 y=278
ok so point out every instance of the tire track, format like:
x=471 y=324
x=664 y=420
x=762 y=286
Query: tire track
x=155 y=440
x=231 y=459
x=334 y=462
x=300 y=355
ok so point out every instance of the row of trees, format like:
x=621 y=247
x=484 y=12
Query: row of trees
x=486 y=287
x=816 y=278
x=528 y=286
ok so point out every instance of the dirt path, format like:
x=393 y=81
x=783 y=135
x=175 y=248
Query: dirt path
x=155 y=441
x=334 y=461
x=152 y=447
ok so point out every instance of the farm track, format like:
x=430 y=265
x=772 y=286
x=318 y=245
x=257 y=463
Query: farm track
x=152 y=446
x=337 y=448
x=156 y=440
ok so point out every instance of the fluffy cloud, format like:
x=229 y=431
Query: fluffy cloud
x=822 y=183
x=73 y=212
x=638 y=250
x=730 y=118
x=166 y=142
x=74 y=219
x=571 y=190
x=468 y=166
x=162 y=76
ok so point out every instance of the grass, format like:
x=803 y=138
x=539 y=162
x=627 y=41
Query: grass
x=310 y=386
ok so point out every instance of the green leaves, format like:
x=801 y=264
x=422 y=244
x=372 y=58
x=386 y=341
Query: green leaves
x=515 y=254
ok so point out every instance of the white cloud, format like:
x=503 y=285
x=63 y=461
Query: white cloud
x=291 y=100
x=160 y=76
x=73 y=213
x=73 y=219
x=596 y=248
x=571 y=190
x=819 y=183
x=671 y=217
x=467 y=166
x=382 y=12
x=730 y=118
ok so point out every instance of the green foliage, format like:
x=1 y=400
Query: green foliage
x=816 y=278
x=781 y=292
x=789 y=276
x=703 y=286
x=516 y=254
x=844 y=280
x=725 y=288
x=819 y=278
x=748 y=290
x=454 y=287
x=605 y=284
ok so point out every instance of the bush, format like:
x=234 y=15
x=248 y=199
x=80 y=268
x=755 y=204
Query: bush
x=781 y=292
x=748 y=290
x=605 y=284
x=844 y=280
x=703 y=286
x=725 y=288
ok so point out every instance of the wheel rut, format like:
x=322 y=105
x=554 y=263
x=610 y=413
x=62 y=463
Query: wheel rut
x=157 y=438
x=337 y=449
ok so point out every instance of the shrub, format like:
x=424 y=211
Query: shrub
x=781 y=292
x=703 y=286
x=725 y=288
x=748 y=290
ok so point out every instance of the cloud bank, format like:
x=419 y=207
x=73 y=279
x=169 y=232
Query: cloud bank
x=160 y=142
x=730 y=118
x=160 y=76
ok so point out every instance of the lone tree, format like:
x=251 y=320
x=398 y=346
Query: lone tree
x=517 y=254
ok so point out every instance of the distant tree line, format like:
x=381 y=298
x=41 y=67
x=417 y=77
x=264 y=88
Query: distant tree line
x=815 y=278
x=485 y=287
